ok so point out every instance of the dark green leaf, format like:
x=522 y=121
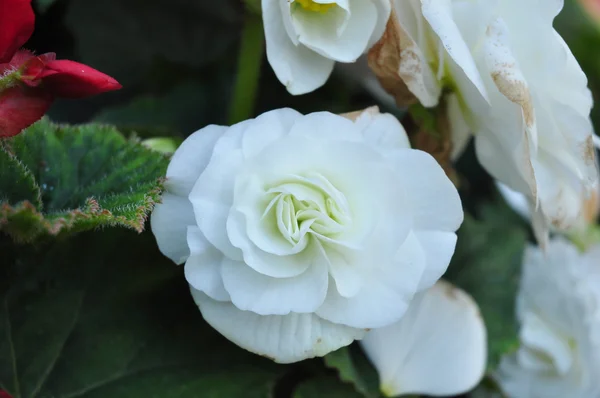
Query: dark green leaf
x=105 y=315
x=176 y=113
x=487 y=264
x=349 y=370
x=89 y=176
x=325 y=387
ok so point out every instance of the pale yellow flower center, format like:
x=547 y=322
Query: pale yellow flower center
x=310 y=5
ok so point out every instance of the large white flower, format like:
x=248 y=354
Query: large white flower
x=438 y=348
x=517 y=87
x=558 y=307
x=306 y=37
x=298 y=233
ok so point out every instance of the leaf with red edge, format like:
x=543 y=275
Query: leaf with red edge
x=76 y=179
x=16 y=26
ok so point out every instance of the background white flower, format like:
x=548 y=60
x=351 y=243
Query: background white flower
x=438 y=348
x=301 y=232
x=306 y=37
x=558 y=307
x=517 y=87
x=589 y=209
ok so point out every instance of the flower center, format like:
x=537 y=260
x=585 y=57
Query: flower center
x=310 y=5
x=308 y=206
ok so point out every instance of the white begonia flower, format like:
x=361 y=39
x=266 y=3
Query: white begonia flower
x=516 y=86
x=306 y=37
x=589 y=209
x=298 y=233
x=558 y=308
x=438 y=348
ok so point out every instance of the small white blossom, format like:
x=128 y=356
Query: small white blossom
x=438 y=348
x=306 y=37
x=558 y=308
x=516 y=86
x=298 y=233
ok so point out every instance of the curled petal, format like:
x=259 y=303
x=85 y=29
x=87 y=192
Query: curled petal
x=70 y=79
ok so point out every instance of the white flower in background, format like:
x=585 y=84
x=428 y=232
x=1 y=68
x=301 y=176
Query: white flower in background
x=301 y=232
x=558 y=308
x=589 y=209
x=438 y=348
x=306 y=37
x=517 y=87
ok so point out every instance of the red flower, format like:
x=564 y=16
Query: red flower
x=16 y=26
x=4 y=394
x=29 y=83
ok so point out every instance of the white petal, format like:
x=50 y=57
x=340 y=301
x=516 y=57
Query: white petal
x=438 y=348
x=267 y=128
x=212 y=195
x=459 y=128
x=516 y=200
x=438 y=247
x=384 y=8
x=434 y=200
x=264 y=295
x=386 y=292
x=415 y=52
x=337 y=34
x=203 y=268
x=191 y=158
x=282 y=338
x=297 y=67
x=169 y=222
x=268 y=254
x=507 y=75
x=382 y=130
x=325 y=126
x=439 y=15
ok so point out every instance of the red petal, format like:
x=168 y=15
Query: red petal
x=70 y=79
x=20 y=107
x=4 y=394
x=16 y=26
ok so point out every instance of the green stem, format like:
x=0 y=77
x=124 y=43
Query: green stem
x=248 y=70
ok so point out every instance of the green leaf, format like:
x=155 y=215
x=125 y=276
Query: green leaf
x=325 y=387
x=105 y=315
x=87 y=176
x=487 y=264
x=17 y=182
x=121 y=38
x=349 y=369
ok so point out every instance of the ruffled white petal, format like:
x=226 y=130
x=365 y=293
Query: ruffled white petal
x=282 y=338
x=264 y=295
